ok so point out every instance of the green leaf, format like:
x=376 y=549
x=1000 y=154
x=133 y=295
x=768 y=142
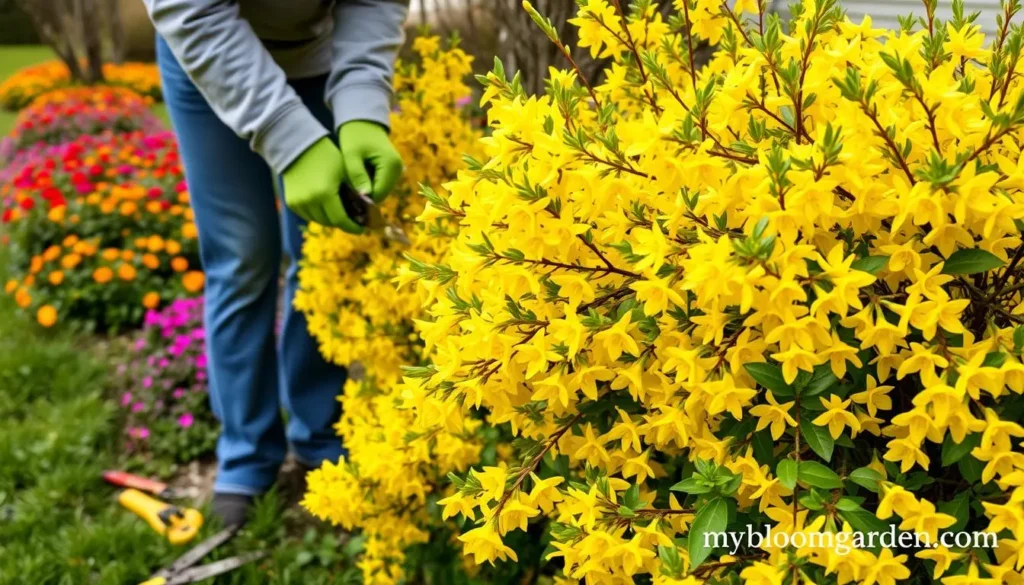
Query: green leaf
x=764 y=447
x=822 y=380
x=959 y=508
x=817 y=475
x=712 y=518
x=870 y=264
x=863 y=521
x=787 y=473
x=970 y=468
x=770 y=377
x=953 y=452
x=971 y=261
x=691 y=485
x=847 y=505
x=866 y=478
x=818 y=438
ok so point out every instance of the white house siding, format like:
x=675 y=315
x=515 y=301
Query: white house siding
x=884 y=14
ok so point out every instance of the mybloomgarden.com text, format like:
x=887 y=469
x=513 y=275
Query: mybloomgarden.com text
x=843 y=542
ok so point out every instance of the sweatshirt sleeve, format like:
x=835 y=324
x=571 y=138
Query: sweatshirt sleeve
x=231 y=68
x=367 y=36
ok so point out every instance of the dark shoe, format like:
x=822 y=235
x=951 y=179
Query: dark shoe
x=233 y=509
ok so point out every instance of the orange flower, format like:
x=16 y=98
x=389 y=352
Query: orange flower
x=10 y=286
x=51 y=253
x=110 y=254
x=35 y=265
x=179 y=264
x=155 y=243
x=22 y=298
x=75 y=219
x=128 y=208
x=189 y=231
x=30 y=280
x=56 y=277
x=70 y=240
x=150 y=300
x=70 y=261
x=173 y=248
x=193 y=281
x=127 y=255
x=153 y=207
x=46 y=316
x=126 y=272
x=103 y=274
x=56 y=214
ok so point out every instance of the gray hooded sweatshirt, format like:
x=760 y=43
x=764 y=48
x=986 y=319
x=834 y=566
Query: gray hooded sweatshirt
x=240 y=54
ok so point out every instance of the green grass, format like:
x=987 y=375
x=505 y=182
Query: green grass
x=60 y=524
x=12 y=58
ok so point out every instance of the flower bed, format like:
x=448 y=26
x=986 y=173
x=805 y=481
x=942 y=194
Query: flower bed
x=18 y=90
x=64 y=114
x=164 y=386
x=100 y=229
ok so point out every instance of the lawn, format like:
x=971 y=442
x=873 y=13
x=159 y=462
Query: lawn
x=12 y=58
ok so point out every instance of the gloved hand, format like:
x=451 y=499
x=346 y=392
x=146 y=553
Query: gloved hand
x=366 y=144
x=311 y=187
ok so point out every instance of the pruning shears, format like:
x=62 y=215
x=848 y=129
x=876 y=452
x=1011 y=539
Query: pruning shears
x=152 y=486
x=364 y=211
x=183 y=571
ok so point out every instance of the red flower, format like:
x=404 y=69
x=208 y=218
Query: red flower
x=154 y=192
x=7 y=216
x=27 y=204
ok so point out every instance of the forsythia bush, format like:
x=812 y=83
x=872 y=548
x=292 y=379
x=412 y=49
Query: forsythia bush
x=18 y=90
x=784 y=288
x=100 y=229
x=354 y=310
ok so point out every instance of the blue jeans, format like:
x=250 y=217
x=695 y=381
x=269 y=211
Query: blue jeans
x=241 y=237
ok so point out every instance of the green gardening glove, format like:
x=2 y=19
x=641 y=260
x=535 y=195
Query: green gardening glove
x=311 y=187
x=366 y=149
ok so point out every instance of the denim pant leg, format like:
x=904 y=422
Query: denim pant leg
x=232 y=193
x=310 y=384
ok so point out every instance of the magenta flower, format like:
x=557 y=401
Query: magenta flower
x=186 y=420
x=126 y=399
x=138 y=407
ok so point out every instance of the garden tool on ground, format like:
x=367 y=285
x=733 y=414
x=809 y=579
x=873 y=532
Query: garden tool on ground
x=128 y=480
x=179 y=525
x=364 y=211
x=183 y=571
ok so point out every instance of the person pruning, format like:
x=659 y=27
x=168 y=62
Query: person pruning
x=257 y=89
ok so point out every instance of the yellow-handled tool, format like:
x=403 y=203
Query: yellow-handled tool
x=179 y=525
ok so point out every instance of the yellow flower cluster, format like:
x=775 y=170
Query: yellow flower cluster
x=358 y=316
x=345 y=282
x=781 y=288
x=18 y=90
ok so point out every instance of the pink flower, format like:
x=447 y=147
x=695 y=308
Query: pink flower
x=178 y=393
x=138 y=433
x=147 y=381
x=138 y=407
x=186 y=420
x=163 y=363
x=201 y=361
x=126 y=399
